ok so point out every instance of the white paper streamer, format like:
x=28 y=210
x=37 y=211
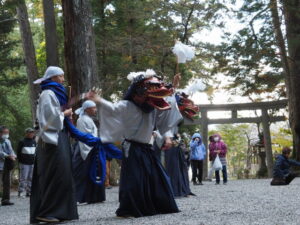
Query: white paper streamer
x=183 y=52
x=195 y=86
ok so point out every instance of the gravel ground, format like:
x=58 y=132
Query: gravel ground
x=239 y=202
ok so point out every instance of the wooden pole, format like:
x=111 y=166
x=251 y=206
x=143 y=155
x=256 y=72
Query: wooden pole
x=267 y=141
x=204 y=133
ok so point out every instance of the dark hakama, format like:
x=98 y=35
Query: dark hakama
x=157 y=151
x=145 y=188
x=177 y=170
x=53 y=190
x=86 y=190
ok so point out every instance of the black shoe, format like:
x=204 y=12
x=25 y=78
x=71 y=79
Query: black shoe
x=195 y=183
x=47 y=219
x=217 y=183
x=7 y=203
x=28 y=194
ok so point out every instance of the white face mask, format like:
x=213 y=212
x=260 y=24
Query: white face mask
x=216 y=139
x=5 y=136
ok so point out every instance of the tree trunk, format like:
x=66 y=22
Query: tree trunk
x=103 y=47
x=80 y=52
x=29 y=55
x=50 y=33
x=290 y=61
x=291 y=10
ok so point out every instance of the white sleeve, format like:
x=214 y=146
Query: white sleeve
x=168 y=120
x=86 y=127
x=50 y=117
x=50 y=114
x=112 y=122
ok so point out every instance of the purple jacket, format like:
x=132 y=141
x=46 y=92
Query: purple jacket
x=213 y=146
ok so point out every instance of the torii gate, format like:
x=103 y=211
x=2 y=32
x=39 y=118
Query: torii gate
x=265 y=119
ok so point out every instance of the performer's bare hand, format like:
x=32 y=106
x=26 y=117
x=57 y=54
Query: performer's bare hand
x=176 y=80
x=93 y=95
x=12 y=157
x=68 y=112
x=168 y=143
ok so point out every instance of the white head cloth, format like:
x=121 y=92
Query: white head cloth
x=147 y=74
x=87 y=104
x=51 y=71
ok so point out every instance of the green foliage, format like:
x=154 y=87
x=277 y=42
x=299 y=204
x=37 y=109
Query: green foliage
x=14 y=103
x=249 y=58
x=281 y=138
x=134 y=35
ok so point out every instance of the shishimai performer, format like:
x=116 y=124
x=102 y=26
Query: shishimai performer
x=53 y=193
x=145 y=189
x=174 y=160
x=86 y=158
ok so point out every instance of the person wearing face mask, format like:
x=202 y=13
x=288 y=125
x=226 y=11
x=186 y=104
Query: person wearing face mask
x=218 y=147
x=7 y=158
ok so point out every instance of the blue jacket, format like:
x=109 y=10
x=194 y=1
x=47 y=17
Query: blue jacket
x=198 y=150
x=5 y=150
x=282 y=166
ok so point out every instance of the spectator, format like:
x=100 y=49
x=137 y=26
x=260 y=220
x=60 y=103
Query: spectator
x=282 y=174
x=198 y=153
x=26 y=155
x=218 y=147
x=7 y=158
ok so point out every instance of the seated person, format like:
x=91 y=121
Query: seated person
x=282 y=174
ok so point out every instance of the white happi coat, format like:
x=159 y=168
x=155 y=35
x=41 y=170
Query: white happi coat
x=86 y=124
x=50 y=117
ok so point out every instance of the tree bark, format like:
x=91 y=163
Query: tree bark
x=290 y=59
x=50 y=33
x=291 y=10
x=29 y=55
x=80 y=52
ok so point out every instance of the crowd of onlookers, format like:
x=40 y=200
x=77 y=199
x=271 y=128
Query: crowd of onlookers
x=282 y=173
